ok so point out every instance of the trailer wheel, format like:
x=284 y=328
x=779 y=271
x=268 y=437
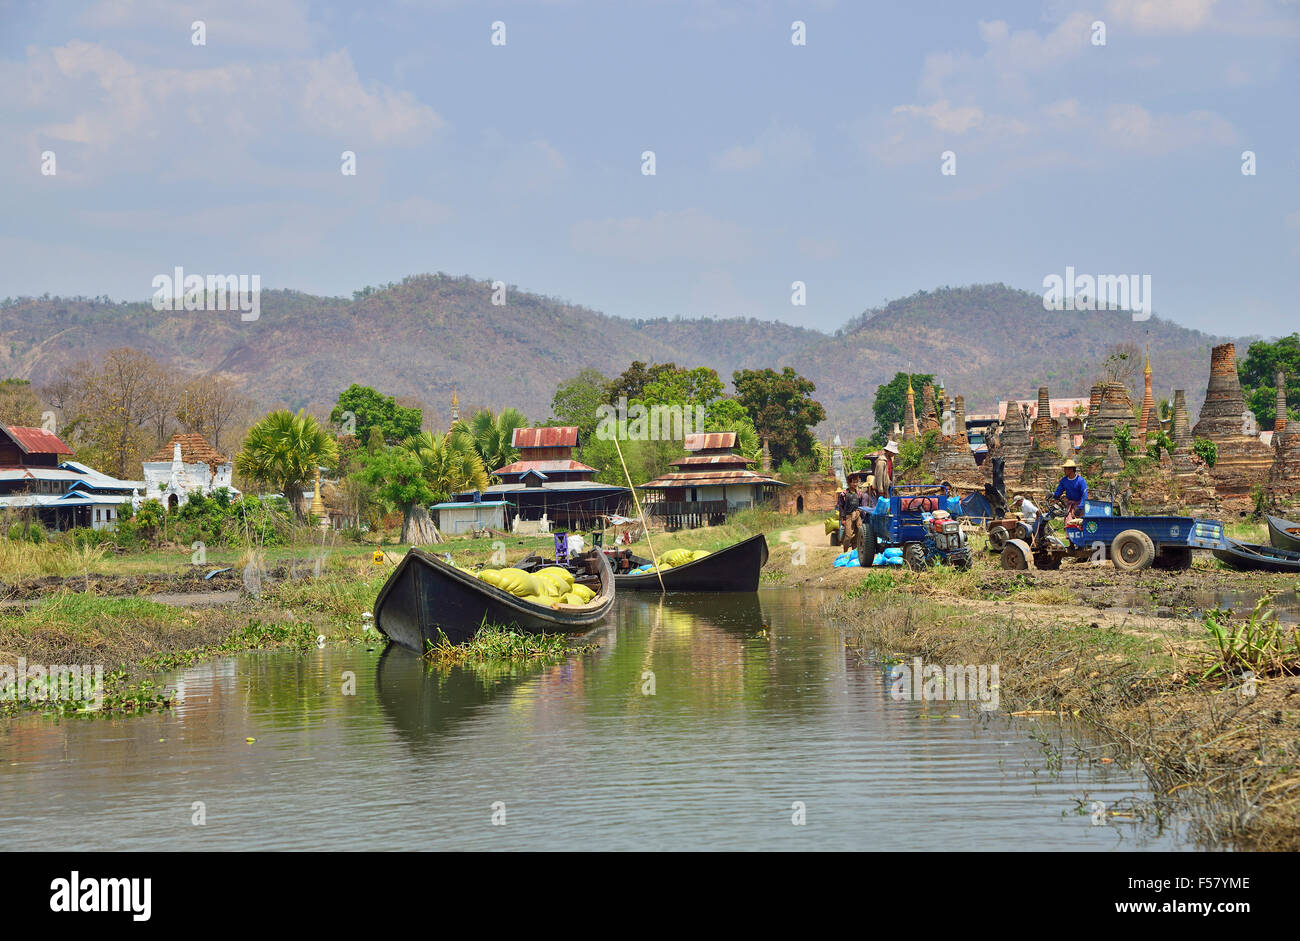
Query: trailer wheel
x=1016 y=556
x=867 y=546
x=1176 y=559
x=998 y=537
x=1132 y=551
x=914 y=556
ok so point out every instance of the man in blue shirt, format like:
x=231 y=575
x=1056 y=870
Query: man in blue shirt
x=1075 y=490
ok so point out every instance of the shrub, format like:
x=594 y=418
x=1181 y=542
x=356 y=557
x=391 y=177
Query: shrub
x=1206 y=450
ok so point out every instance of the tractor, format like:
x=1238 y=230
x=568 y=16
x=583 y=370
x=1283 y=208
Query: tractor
x=919 y=519
x=1132 y=543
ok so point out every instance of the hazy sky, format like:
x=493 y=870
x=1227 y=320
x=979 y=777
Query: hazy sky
x=774 y=162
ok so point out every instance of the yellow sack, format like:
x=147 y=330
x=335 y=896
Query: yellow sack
x=583 y=592
x=550 y=585
x=573 y=598
x=556 y=571
x=675 y=557
x=699 y=554
x=518 y=582
x=544 y=600
x=491 y=576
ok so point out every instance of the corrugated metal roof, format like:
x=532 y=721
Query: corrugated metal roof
x=37 y=440
x=565 y=436
x=545 y=467
x=694 y=460
x=553 y=486
x=710 y=441
x=710 y=479
x=468 y=504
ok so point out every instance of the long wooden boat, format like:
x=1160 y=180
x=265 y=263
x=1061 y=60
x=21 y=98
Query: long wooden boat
x=426 y=597
x=1253 y=558
x=734 y=568
x=1284 y=534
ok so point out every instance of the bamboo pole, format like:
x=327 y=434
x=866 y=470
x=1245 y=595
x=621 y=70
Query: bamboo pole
x=641 y=513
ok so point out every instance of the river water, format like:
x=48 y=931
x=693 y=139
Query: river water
x=759 y=718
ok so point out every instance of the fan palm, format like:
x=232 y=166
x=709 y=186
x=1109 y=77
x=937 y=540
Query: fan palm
x=492 y=436
x=449 y=463
x=283 y=451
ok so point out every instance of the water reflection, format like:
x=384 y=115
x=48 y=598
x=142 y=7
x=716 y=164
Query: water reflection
x=697 y=722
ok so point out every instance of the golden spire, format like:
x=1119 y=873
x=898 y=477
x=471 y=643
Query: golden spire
x=1147 y=370
x=317 y=504
x=455 y=405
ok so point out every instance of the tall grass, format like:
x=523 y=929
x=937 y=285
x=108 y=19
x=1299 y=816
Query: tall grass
x=25 y=559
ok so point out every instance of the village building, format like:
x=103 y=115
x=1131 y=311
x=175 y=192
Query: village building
x=185 y=465
x=546 y=488
x=60 y=495
x=713 y=481
x=458 y=517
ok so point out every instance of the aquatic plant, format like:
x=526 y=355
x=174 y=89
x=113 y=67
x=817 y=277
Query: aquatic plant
x=1259 y=645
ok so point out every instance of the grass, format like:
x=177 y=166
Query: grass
x=492 y=644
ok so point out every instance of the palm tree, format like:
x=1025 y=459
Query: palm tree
x=424 y=469
x=492 y=436
x=283 y=450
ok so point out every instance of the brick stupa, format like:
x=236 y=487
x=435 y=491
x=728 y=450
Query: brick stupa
x=956 y=463
x=1244 y=461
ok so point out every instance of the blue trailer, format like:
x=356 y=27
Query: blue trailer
x=1132 y=543
x=921 y=519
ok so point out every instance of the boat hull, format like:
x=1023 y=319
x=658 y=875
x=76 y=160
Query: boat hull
x=735 y=568
x=425 y=598
x=1252 y=558
x=1284 y=534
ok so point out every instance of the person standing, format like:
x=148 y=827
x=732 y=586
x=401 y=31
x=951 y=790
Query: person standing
x=884 y=469
x=848 y=504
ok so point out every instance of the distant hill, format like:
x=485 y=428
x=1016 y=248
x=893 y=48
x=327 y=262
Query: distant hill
x=419 y=338
x=990 y=342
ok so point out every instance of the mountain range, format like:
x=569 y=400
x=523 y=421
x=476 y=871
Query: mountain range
x=421 y=338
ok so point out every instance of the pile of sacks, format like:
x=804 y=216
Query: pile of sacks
x=548 y=586
x=891 y=556
x=672 y=559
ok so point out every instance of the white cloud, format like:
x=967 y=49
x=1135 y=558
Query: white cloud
x=780 y=146
x=1161 y=15
x=688 y=234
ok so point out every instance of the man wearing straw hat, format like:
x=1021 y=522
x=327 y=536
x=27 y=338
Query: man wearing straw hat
x=1075 y=490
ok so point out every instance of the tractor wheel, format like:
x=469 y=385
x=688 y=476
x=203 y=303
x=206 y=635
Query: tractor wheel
x=1132 y=551
x=1016 y=556
x=867 y=547
x=998 y=537
x=1022 y=532
x=914 y=556
x=1174 y=560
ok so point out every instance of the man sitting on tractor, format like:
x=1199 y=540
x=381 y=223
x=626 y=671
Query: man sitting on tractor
x=1075 y=490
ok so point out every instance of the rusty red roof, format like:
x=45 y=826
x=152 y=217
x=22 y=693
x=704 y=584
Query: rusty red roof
x=710 y=441
x=37 y=440
x=565 y=436
x=710 y=478
x=546 y=467
x=693 y=460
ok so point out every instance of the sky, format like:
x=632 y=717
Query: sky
x=775 y=162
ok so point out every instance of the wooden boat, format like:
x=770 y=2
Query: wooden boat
x=1252 y=558
x=426 y=597
x=1284 y=534
x=734 y=568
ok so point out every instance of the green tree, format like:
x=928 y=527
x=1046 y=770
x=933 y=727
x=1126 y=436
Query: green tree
x=283 y=450
x=891 y=403
x=576 y=400
x=633 y=380
x=370 y=409
x=424 y=469
x=683 y=387
x=1258 y=374
x=491 y=436
x=782 y=409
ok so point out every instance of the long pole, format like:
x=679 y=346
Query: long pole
x=639 y=512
